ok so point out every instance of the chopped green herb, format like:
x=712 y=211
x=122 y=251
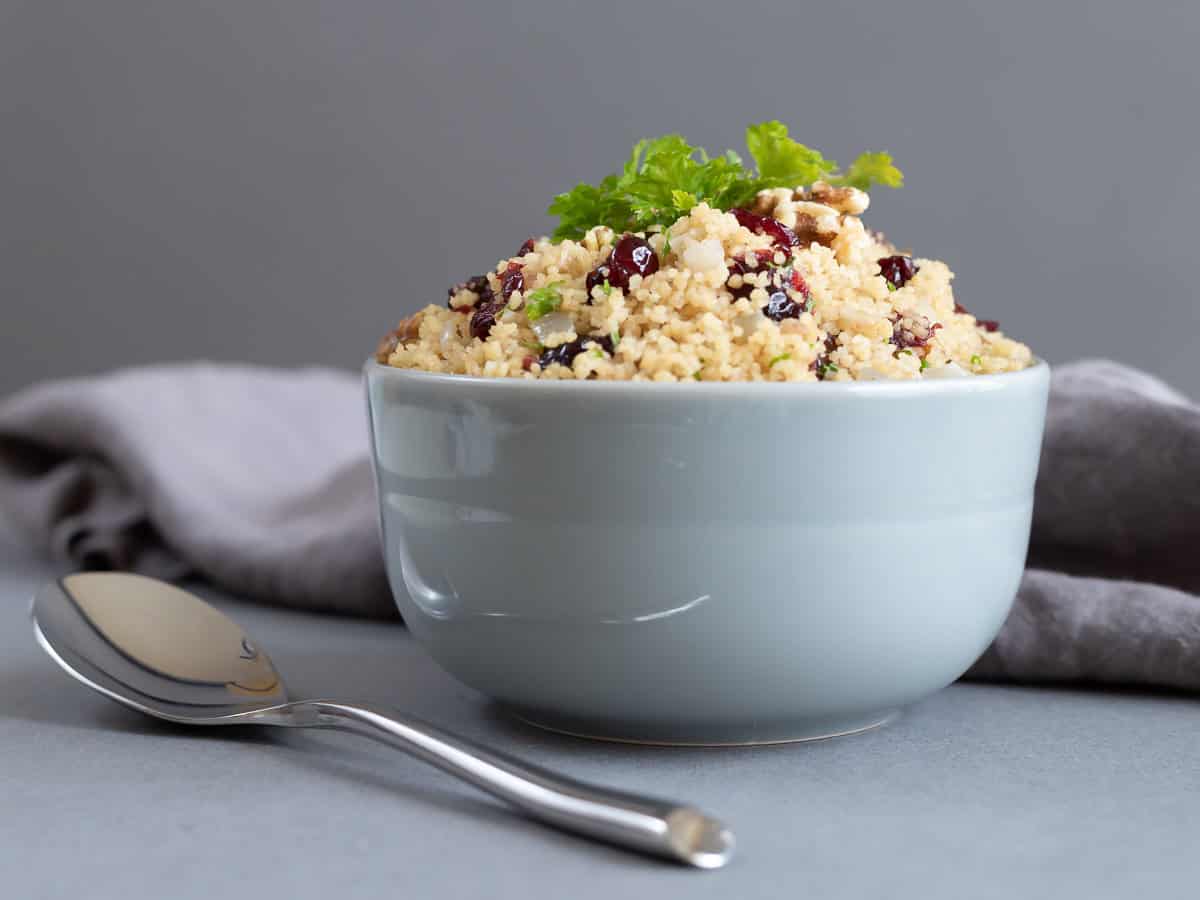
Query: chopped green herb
x=827 y=368
x=891 y=287
x=977 y=360
x=666 y=243
x=542 y=301
x=870 y=167
x=606 y=287
x=665 y=177
x=598 y=353
x=780 y=358
x=924 y=365
x=616 y=338
x=696 y=374
x=533 y=345
x=904 y=352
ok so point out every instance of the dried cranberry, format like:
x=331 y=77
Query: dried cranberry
x=741 y=266
x=797 y=283
x=526 y=247
x=478 y=284
x=512 y=280
x=774 y=229
x=596 y=278
x=527 y=363
x=617 y=277
x=820 y=365
x=631 y=256
x=912 y=330
x=897 y=270
x=780 y=304
x=484 y=318
x=564 y=354
x=780 y=281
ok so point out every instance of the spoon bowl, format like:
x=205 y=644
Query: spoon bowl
x=155 y=648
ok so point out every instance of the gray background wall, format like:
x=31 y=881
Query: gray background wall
x=280 y=181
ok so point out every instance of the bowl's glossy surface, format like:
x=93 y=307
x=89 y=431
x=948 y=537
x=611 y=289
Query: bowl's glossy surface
x=708 y=563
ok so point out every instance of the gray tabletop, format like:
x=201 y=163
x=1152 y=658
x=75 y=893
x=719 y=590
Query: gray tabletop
x=979 y=792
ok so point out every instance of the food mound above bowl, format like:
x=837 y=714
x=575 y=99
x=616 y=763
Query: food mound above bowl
x=686 y=267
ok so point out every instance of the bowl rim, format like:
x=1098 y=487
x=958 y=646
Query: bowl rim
x=1039 y=371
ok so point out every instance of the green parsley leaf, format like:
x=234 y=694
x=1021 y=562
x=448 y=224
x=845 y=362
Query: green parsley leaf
x=827 y=368
x=666 y=177
x=696 y=374
x=924 y=365
x=666 y=250
x=606 y=287
x=891 y=288
x=683 y=199
x=977 y=360
x=781 y=161
x=616 y=338
x=780 y=358
x=905 y=352
x=869 y=168
x=585 y=206
x=542 y=301
x=598 y=353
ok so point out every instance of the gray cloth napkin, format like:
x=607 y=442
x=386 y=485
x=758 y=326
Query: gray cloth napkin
x=255 y=478
x=1110 y=595
x=258 y=480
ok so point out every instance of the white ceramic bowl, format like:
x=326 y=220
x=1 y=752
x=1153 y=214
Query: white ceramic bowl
x=705 y=563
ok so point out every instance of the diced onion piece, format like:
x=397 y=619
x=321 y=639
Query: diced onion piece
x=703 y=256
x=949 y=370
x=552 y=323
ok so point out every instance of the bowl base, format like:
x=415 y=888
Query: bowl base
x=666 y=736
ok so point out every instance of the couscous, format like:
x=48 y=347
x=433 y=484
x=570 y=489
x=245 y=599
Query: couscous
x=746 y=280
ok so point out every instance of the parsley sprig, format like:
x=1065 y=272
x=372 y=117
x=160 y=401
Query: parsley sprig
x=665 y=177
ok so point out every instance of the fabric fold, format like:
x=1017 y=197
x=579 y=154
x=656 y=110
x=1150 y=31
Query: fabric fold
x=254 y=478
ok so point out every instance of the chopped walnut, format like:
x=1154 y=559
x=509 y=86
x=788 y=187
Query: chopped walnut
x=844 y=199
x=776 y=202
x=820 y=223
x=813 y=223
x=814 y=214
x=407 y=330
x=386 y=346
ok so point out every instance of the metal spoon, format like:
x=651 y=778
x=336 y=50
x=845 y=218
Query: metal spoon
x=167 y=653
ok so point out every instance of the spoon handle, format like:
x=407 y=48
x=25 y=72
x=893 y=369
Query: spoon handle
x=645 y=824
